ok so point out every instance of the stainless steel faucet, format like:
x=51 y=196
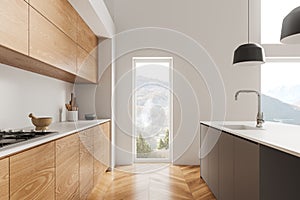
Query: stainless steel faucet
x=260 y=116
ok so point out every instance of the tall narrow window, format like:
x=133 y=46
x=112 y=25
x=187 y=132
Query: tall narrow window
x=152 y=109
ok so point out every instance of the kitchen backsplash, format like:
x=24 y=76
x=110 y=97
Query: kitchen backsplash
x=24 y=92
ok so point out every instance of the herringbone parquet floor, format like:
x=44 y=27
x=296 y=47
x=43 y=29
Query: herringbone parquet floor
x=152 y=182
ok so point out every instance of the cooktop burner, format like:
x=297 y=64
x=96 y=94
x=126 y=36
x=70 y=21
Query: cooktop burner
x=8 y=137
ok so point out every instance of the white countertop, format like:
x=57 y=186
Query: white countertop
x=63 y=129
x=283 y=137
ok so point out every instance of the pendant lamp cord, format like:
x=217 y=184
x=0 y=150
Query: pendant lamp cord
x=248 y=21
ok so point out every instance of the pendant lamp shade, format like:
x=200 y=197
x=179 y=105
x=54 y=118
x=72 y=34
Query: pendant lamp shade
x=290 y=32
x=249 y=54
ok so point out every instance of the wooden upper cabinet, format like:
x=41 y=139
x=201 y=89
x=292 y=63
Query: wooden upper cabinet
x=50 y=45
x=60 y=13
x=86 y=38
x=87 y=67
x=4 y=179
x=32 y=173
x=67 y=167
x=14 y=25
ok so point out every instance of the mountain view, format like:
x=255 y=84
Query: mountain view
x=289 y=94
x=279 y=111
x=152 y=115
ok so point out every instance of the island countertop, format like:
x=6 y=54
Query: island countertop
x=62 y=129
x=283 y=137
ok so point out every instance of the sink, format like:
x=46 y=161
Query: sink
x=241 y=127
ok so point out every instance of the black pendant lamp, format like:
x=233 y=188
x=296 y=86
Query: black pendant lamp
x=250 y=53
x=290 y=31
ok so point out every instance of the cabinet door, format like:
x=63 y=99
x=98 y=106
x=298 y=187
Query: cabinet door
x=60 y=13
x=101 y=150
x=246 y=170
x=14 y=25
x=279 y=175
x=67 y=167
x=50 y=45
x=203 y=153
x=32 y=173
x=87 y=66
x=213 y=163
x=86 y=38
x=86 y=169
x=4 y=179
x=210 y=157
x=226 y=167
x=107 y=134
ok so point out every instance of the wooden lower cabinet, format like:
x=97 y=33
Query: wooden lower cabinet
x=67 y=167
x=86 y=169
x=32 y=173
x=102 y=147
x=4 y=179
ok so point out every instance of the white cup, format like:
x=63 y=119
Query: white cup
x=72 y=116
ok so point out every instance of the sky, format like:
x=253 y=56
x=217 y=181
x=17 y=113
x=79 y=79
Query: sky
x=274 y=75
x=157 y=70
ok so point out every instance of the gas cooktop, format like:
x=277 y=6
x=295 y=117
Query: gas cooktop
x=8 y=137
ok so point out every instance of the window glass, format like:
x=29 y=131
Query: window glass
x=152 y=105
x=272 y=15
x=280 y=86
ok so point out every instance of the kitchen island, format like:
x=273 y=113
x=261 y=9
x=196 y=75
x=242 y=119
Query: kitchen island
x=240 y=161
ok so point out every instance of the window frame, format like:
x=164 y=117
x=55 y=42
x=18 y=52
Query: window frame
x=153 y=160
x=274 y=52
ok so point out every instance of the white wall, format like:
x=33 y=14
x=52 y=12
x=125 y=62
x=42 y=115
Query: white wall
x=219 y=26
x=24 y=92
x=93 y=98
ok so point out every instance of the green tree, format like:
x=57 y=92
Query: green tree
x=164 y=143
x=142 y=146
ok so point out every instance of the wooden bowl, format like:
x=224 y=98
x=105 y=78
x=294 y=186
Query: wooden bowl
x=40 y=123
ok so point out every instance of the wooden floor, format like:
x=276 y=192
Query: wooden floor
x=152 y=181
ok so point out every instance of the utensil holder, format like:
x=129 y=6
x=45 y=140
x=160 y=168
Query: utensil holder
x=72 y=116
